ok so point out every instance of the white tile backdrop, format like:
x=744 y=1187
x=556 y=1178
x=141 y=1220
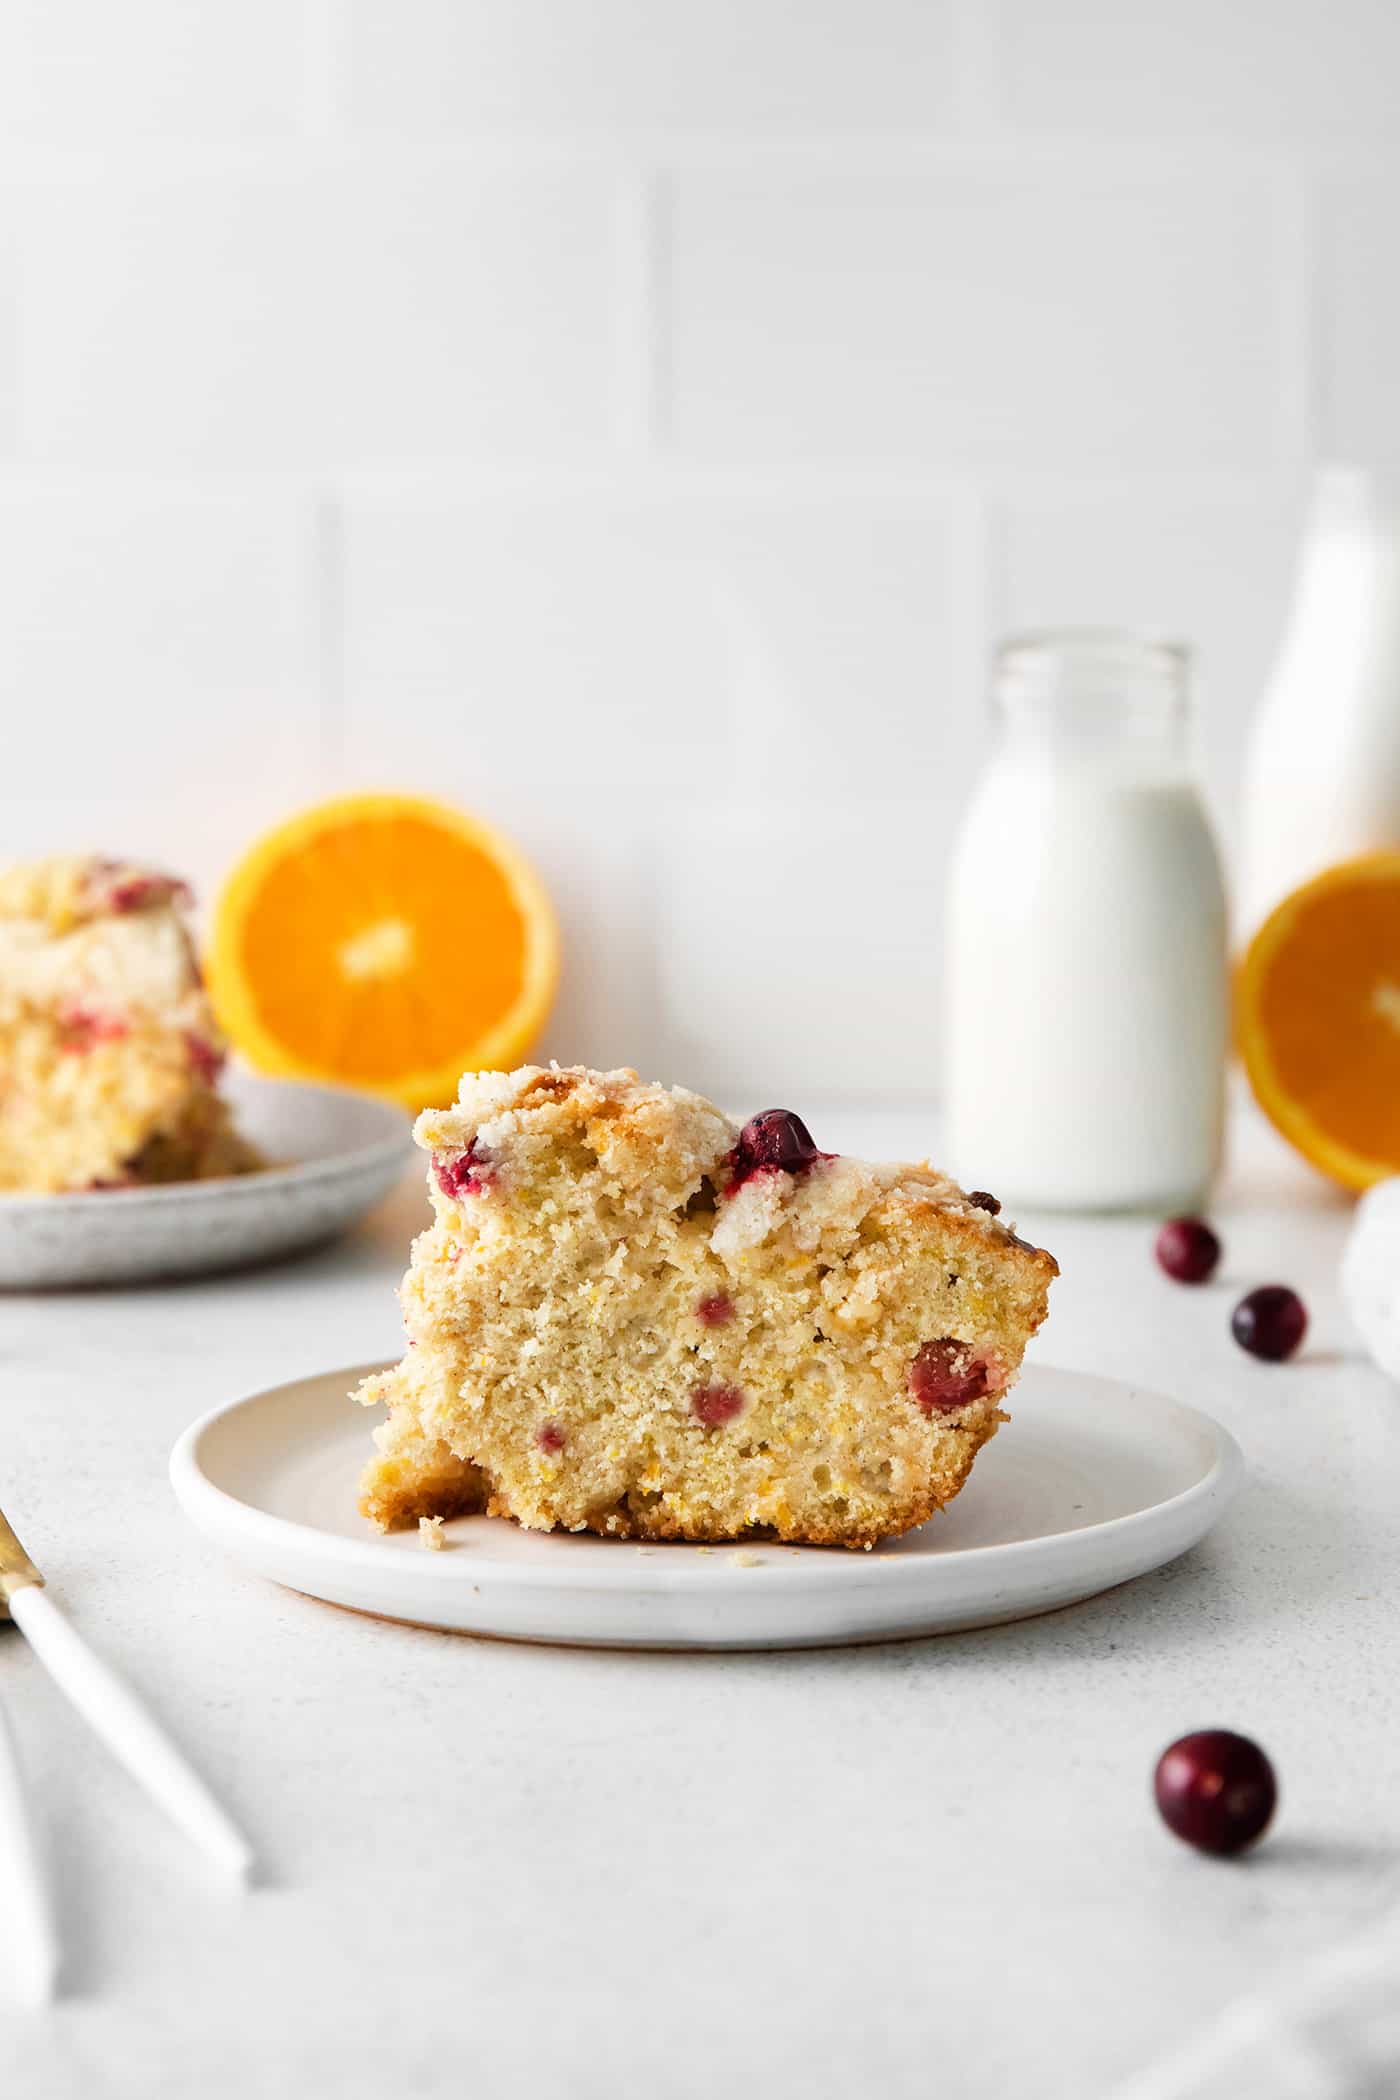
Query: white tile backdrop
x=638 y=420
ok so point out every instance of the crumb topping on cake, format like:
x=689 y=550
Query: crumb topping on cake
x=68 y=890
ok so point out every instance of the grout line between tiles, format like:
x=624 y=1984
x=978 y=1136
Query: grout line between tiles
x=319 y=69
x=1301 y=404
x=978 y=97
x=329 y=586
x=639 y=376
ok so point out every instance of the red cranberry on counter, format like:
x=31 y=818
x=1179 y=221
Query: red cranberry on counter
x=1215 y=1790
x=1270 y=1322
x=1187 y=1249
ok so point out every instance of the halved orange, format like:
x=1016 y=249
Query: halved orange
x=383 y=942
x=1318 y=1019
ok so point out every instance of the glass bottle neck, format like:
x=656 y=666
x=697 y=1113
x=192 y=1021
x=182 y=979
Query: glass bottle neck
x=1094 y=696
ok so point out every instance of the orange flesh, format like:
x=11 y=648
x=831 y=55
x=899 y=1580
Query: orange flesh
x=463 y=967
x=1328 y=1007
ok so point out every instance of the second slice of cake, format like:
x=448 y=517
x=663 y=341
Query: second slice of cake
x=109 y=1051
x=633 y=1316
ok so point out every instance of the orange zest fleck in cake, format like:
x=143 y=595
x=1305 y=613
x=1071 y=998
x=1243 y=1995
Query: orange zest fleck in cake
x=109 y=1053
x=631 y=1316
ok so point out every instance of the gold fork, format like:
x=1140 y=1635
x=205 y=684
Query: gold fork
x=17 y=1570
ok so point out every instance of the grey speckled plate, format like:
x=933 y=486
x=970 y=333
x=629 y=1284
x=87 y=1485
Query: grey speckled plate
x=339 y=1154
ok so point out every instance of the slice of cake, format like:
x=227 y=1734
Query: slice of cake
x=632 y=1316
x=109 y=1052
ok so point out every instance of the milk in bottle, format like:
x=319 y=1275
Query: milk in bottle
x=1087 y=992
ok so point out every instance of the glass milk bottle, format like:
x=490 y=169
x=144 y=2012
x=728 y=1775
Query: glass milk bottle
x=1322 y=773
x=1087 y=992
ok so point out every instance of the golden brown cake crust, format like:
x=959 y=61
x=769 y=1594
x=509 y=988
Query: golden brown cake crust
x=619 y=1323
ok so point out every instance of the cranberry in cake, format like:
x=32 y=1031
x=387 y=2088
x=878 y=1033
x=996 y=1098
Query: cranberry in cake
x=633 y=1315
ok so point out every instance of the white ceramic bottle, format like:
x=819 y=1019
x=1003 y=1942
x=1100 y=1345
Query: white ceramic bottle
x=1087 y=994
x=1322 y=774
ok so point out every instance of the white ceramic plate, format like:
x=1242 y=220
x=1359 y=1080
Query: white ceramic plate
x=1093 y=1482
x=339 y=1154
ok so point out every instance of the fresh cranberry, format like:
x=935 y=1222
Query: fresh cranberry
x=1187 y=1249
x=716 y=1404
x=777 y=1138
x=462 y=1173
x=550 y=1437
x=1270 y=1322
x=713 y=1312
x=945 y=1375
x=1216 y=1790
x=980 y=1200
x=206 y=1057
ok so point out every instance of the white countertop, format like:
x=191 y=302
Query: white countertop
x=917 y=1868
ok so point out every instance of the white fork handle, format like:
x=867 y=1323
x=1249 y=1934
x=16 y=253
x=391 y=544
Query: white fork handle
x=132 y=1735
x=26 y=1918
